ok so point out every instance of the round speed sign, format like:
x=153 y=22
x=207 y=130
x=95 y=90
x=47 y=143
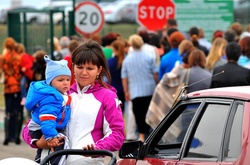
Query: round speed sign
x=89 y=18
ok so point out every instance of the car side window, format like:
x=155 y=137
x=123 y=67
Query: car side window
x=176 y=132
x=234 y=147
x=208 y=135
x=171 y=141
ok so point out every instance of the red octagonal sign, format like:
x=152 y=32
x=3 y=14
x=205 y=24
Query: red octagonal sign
x=153 y=14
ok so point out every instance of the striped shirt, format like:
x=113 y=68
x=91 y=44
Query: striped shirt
x=138 y=67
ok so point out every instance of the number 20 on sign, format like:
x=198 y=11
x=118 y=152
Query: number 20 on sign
x=89 y=18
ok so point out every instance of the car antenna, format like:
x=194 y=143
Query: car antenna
x=182 y=95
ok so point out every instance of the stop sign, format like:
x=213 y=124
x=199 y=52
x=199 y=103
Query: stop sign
x=154 y=14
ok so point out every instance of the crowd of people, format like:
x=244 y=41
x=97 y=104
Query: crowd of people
x=113 y=80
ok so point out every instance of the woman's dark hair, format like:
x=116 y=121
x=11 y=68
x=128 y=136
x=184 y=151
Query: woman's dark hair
x=90 y=51
x=39 y=57
x=109 y=38
x=144 y=35
x=197 y=58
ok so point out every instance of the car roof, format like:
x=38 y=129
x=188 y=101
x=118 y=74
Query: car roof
x=239 y=92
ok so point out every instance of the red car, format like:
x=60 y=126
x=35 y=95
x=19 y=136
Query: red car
x=208 y=127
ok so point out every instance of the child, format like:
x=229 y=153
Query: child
x=49 y=105
x=26 y=63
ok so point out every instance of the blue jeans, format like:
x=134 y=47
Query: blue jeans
x=23 y=86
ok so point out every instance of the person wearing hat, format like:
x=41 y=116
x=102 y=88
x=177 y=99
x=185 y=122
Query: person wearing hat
x=49 y=105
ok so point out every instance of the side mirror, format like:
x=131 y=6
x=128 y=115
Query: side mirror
x=130 y=149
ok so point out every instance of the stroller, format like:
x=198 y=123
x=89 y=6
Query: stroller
x=45 y=161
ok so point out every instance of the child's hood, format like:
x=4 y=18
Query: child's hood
x=38 y=91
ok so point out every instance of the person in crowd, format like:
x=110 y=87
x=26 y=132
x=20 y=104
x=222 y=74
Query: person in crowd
x=152 y=50
x=169 y=60
x=96 y=121
x=230 y=35
x=154 y=40
x=26 y=64
x=185 y=48
x=73 y=44
x=64 y=44
x=164 y=42
x=194 y=37
x=115 y=65
x=202 y=40
x=216 y=53
x=217 y=34
x=107 y=40
x=184 y=74
x=243 y=35
x=238 y=28
x=171 y=31
x=172 y=23
x=56 y=46
x=165 y=46
x=49 y=105
x=96 y=37
x=244 y=59
x=248 y=28
x=39 y=65
x=75 y=37
x=197 y=63
x=139 y=83
x=13 y=119
x=232 y=73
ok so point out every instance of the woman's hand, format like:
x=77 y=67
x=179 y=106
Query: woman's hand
x=89 y=147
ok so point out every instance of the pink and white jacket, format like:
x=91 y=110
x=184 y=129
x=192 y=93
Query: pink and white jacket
x=96 y=118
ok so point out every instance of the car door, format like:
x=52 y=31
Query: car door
x=215 y=137
x=195 y=132
x=163 y=145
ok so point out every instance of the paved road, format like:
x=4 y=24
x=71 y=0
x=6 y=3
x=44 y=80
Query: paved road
x=13 y=150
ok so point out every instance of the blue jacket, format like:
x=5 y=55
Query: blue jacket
x=47 y=110
x=168 y=62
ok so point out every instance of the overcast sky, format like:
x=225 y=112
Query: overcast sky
x=24 y=2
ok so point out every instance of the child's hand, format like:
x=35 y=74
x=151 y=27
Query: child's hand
x=23 y=69
x=55 y=142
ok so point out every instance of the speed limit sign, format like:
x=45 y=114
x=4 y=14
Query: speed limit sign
x=89 y=18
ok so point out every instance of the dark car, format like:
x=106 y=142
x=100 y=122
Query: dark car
x=210 y=127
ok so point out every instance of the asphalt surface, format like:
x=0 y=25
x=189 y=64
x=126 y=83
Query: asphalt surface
x=13 y=150
x=20 y=151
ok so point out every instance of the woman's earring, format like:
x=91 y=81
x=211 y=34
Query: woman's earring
x=97 y=76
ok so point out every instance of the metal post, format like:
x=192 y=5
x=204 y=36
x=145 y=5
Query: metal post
x=63 y=24
x=25 y=30
x=51 y=27
x=71 y=23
